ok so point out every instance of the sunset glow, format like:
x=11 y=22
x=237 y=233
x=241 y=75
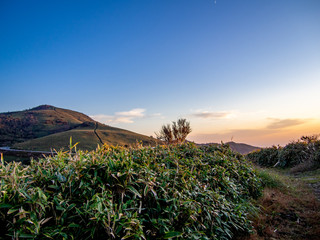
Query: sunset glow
x=246 y=71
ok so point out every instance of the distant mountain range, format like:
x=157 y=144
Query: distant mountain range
x=45 y=127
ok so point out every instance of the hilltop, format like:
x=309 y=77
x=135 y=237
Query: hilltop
x=45 y=127
x=242 y=147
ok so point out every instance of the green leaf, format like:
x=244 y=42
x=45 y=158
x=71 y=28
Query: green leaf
x=133 y=190
x=74 y=225
x=24 y=235
x=146 y=190
x=172 y=234
x=5 y=205
x=12 y=210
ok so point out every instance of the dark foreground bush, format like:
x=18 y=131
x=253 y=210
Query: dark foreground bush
x=182 y=192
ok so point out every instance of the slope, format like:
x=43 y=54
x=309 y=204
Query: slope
x=88 y=135
x=37 y=122
x=242 y=147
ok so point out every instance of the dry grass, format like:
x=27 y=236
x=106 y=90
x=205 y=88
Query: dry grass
x=287 y=212
x=87 y=139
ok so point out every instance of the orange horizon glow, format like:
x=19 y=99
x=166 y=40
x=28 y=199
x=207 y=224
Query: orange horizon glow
x=260 y=137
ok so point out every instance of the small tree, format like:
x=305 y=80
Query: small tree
x=175 y=133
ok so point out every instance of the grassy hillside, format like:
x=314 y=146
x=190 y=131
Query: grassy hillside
x=37 y=122
x=46 y=127
x=242 y=148
x=87 y=138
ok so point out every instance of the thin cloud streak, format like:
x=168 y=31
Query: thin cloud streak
x=285 y=123
x=125 y=117
x=212 y=115
x=134 y=113
x=121 y=117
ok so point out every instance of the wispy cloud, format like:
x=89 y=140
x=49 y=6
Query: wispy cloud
x=284 y=123
x=121 y=117
x=212 y=115
x=125 y=117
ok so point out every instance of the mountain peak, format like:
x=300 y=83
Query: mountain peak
x=44 y=107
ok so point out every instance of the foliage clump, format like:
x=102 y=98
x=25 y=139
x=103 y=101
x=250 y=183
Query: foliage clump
x=304 y=150
x=181 y=192
x=175 y=133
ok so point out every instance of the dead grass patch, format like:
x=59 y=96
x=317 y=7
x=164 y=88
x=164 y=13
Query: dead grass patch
x=287 y=213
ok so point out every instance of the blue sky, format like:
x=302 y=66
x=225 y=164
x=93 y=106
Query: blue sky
x=242 y=70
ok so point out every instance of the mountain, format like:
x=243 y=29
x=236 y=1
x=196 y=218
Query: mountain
x=241 y=148
x=45 y=127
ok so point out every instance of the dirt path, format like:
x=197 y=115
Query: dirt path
x=316 y=189
x=312 y=179
x=289 y=210
x=95 y=132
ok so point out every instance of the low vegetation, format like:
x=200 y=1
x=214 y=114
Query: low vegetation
x=181 y=191
x=289 y=209
x=303 y=154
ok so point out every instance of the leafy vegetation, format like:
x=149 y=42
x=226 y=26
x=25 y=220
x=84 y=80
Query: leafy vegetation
x=305 y=150
x=181 y=192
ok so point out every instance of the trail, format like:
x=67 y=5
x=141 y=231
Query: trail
x=316 y=189
x=10 y=150
x=312 y=179
x=95 y=132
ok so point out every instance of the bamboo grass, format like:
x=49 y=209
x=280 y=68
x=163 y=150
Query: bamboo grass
x=166 y=192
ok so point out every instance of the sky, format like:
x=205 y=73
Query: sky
x=246 y=71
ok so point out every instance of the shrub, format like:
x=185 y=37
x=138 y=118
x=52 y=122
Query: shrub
x=305 y=151
x=176 y=133
x=114 y=193
x=293 y=154
x=265 y=156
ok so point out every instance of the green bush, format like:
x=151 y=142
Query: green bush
x=307 y=149
x=293 y=154
x=181 y=191
x=265 y=156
